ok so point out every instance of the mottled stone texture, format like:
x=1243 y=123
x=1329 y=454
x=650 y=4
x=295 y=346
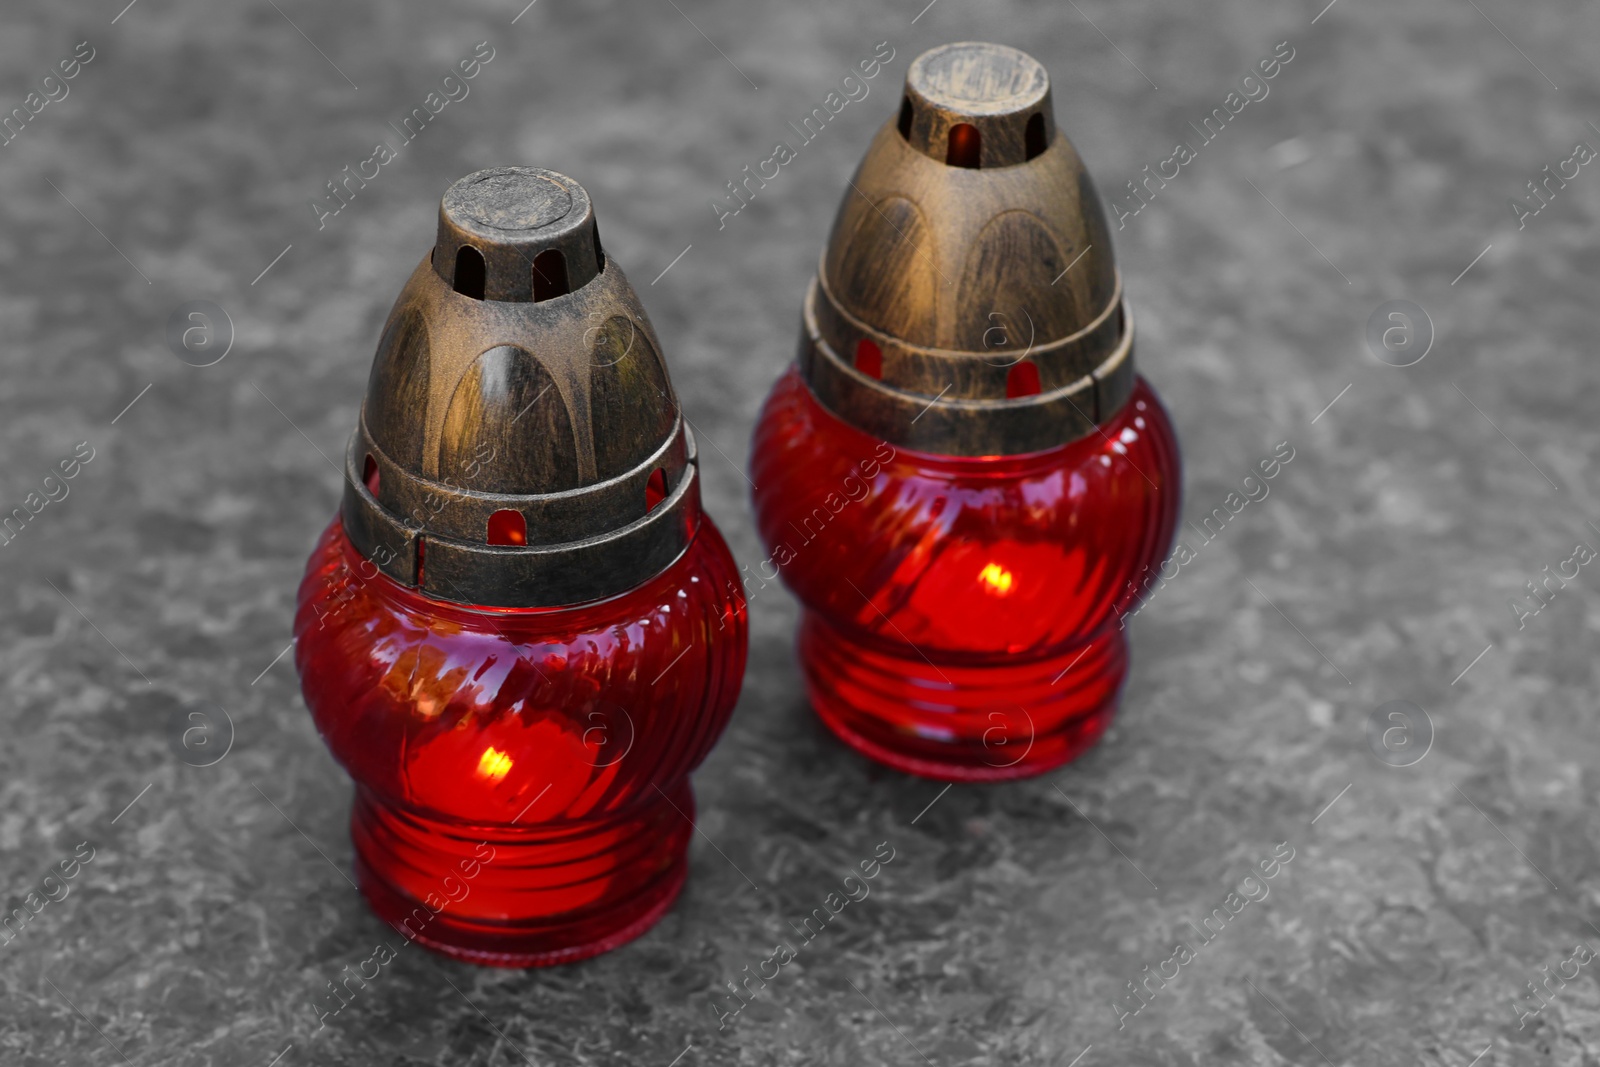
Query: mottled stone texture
x=1415 y=909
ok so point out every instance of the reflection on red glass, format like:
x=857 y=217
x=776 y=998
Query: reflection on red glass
x=963 y=615
x=522 y=774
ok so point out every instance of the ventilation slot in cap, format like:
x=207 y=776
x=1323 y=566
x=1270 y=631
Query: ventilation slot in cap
x=1034 y=137
x=550 y=275
x=966 y=146
x=470 y=272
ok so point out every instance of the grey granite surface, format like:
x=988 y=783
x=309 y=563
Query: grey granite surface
x=1420 y=900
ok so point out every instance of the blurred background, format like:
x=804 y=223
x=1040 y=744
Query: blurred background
x=1446 y=863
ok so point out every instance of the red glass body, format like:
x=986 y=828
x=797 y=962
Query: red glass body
x=963 y=616
x=522 y=791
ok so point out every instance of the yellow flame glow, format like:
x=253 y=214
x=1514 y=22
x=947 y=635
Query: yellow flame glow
x=494 y=765
x=997 y=578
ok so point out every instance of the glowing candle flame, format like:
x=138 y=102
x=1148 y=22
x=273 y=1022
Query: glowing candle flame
x=494 y=765
x=997 y=578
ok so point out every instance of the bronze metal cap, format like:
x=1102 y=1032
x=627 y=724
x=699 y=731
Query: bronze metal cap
x=520 y=444
x=968 y=302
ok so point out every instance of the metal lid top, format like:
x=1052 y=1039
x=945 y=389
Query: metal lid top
x=968 y=302
x=520 y=444
x=998 y=90
x=534 y=229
